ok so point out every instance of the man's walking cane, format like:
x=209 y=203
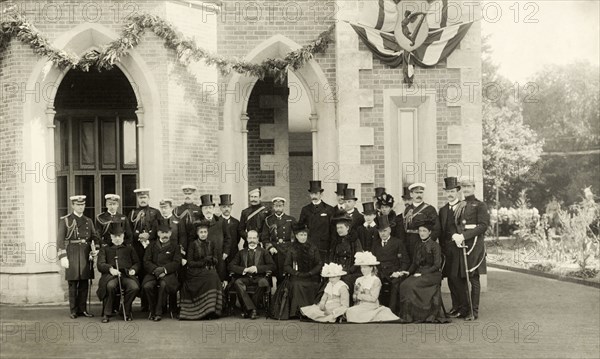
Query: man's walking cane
x=89 y=303
x=122 y=301
x=469 y=289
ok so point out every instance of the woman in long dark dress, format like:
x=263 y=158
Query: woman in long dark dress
x=303 y=265
x=344 y=247
x=202 y=293
x=420 y=294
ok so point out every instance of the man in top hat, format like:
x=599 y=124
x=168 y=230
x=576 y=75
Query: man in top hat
x=253 y=217
x=77 y=243
x=218 y=234
x=277 y=234
x=398 y=223
x=112 y=215
x=473 y=220
x=357 y=218
x=394 y=259
x=418 y=212
x=117 y=260
x=452 y=253
x=317 y=217
x=233 y=224
x=162 y=261
x=367 y=233
x=251 y=265
x=144 y=224
x=340 y=191
x=176 y=227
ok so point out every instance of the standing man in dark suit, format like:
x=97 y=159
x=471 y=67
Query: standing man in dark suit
x=251 y=265
x=112 y=215
x=367 y=233
x=253 y=217
x=144 y=224
x=473 y=222
x=77 y=243
x=340 y=207
x=357 y=218
x=452 y=254
x=178 y=235
x=218 y=234
x=393 y=258
x=317 y=217
x=277 y=235
x=417 y=213
x=188 y=212
x=233 y=225
x=406 y=201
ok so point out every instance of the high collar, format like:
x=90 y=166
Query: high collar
x=78 y=215
x=279 y=217
x=226 y=218
x=470 y=198
x=112 y=214
x=454 y=203
x=316 y=204
x=372 y=224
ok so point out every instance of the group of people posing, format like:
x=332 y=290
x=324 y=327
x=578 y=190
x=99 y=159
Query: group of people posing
x=332 y=264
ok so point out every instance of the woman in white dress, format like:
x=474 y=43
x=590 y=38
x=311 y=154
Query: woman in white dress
x=335 y=300
x=366 y=293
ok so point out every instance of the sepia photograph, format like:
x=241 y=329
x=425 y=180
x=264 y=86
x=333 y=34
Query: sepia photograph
x=299 y=179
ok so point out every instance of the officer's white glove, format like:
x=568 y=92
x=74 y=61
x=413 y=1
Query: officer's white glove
x=64 y=262
x=458 y=239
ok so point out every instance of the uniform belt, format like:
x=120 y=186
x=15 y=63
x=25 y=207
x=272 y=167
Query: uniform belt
x=78 y=241
x=470 y=226
x=412 y=231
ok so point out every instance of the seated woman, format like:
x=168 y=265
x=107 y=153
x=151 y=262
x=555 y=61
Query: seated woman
x=302 y=264
x=345 y=245
x=420 y=294
x=366 y=293
x=335 y=299
x=201 y=294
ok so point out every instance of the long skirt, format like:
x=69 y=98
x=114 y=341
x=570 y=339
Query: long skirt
x=421 y=299
x=291 y=295
x=201 y=294
x=332 y=311
x=366 y=312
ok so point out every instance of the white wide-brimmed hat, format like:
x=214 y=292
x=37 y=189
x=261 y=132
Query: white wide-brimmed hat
x=332 y=270
x=365 y=259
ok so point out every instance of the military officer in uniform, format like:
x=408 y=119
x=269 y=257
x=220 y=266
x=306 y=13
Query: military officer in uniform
x=233 y=225
x=357 y=218
x=473 y=222
x=144 y=224
x=112 y=215
x=277 y=234
x=77 y=243
x=452 y=253
x=417 y=213
x=340 y=207
x=317 y=217
x=253 y=217
x=128 y=266
x=188 y=212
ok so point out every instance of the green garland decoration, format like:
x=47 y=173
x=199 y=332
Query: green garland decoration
x=17 y=26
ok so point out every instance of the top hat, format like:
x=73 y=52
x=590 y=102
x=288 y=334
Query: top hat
x=116 y=228
x=383 y=222
x=405 y=193
x=379 y=191
x=164 y=227
x=341 y=187
x=78 y=199
x=349 y=194
x=315 y=186
x=225 y=200
x=207 y=200
x=450 y=183
x=369 y=208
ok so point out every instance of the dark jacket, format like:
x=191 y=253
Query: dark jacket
x=127 y=258
x=473 y=222
x=392 y=258
x=166 y=256
x=103 y=222
x=367 y=236
x=74 y=240
x=262 y=260
x=318 y=220
x=343 y=250
x=232 y=225
x=277 y=228
x=303 y=262
x=453 y=254
x=253 y=218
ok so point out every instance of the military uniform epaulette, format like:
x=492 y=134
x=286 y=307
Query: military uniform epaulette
x=65 y=216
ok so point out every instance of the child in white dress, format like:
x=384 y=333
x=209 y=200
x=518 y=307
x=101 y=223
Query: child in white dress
x=335 y=300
